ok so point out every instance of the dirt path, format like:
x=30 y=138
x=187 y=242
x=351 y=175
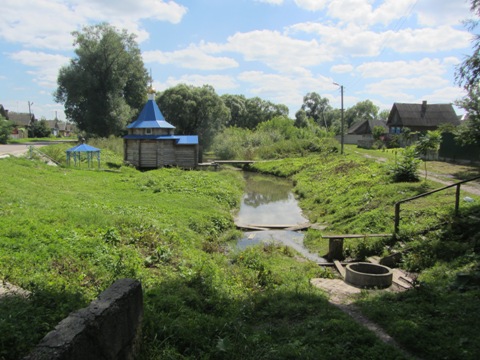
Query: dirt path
x=343 y=296
x=472 y=187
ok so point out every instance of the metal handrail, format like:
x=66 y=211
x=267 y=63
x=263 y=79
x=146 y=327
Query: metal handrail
x=34 y=149
x=457 y=200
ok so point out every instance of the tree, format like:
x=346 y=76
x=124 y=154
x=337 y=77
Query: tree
x=39 y=129
x=468 y=75
x=430 y=142
x=406 y=169
x=317 y=108
x=301 y=119
x=384 y=114
x=6 y=127
x=469 y=132
x=194 y=110
x=363 y=110
x=238 y=109
x=104 y=86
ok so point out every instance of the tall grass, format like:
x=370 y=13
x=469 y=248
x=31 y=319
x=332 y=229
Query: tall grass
x=273 y=139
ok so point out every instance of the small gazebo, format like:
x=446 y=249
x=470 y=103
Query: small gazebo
x=76 y=153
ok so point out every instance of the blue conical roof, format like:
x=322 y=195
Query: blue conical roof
x=83 y=148
x=150 y=117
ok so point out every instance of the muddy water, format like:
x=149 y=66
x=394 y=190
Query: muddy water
x=269 y=201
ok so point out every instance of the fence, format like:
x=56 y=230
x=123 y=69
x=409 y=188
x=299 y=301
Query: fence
x=457 y=199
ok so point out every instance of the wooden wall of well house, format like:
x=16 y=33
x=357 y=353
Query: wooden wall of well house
x=155 y=154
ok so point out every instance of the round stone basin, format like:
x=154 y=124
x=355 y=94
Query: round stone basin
x=367 y=275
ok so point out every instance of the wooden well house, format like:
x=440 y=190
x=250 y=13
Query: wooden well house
x=151 y=143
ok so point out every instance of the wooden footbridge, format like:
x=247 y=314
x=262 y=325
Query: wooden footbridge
x=217 y=163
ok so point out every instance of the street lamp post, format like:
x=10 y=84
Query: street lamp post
x=342 y=121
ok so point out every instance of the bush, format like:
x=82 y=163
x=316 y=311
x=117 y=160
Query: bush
x=406 y=169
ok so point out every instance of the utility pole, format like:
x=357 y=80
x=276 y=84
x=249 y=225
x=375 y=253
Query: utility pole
x=342 y=120
x=30 y=109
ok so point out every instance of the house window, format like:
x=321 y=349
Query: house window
x=395 y=130
x=148 y=131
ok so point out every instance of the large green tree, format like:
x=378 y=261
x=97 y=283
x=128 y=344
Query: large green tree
x=363 y=110
x=104 y=86
x=248 y=113
x=468 y=76
x=318 y=109
x=194 y=110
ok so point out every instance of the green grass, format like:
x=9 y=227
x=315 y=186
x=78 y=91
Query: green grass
x=66 y=233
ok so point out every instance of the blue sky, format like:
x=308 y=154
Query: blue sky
x=385 y=51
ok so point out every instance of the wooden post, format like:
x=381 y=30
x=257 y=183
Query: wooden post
x=335 y=249
x=457 y=199
x=397 y=218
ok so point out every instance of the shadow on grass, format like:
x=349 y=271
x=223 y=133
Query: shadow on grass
x=192 y=320
x=441 y=317
x=25 y=320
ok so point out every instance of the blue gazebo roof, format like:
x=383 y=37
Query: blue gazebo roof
x=83 y=148
x=76 y=151
x=150 y=117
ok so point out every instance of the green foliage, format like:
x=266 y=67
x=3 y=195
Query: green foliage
x=104 y=86
x=406 y=168
x=194 y=110
x=39 y=129
x=317 y=108
x=378 y=131
x=469 y=131
x=248 y=113
x=5 y=129
x=275 y=138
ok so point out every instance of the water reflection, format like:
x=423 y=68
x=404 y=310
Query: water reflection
x=268 y=200
x=292 y=239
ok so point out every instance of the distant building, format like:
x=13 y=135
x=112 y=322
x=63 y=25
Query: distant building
x=151 y=143
x=21 y=122
x=420 y=117
x=361 y=133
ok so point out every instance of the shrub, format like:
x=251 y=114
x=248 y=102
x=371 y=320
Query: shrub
x=406 y=169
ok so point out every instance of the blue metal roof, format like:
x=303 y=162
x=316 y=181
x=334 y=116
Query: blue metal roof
x=150 y=117
x=83 y=148
x=180 y=139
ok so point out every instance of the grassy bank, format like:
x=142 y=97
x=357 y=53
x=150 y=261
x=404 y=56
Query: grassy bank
x=355 y=194
x=67 y=233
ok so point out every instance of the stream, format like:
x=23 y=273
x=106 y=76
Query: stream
x=269 y=201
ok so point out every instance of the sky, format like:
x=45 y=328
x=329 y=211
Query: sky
x=279 y=50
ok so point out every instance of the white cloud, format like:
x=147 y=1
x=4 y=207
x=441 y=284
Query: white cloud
x=219 y=82
x=442 y=12
x=38 y=23
x=398 y=88
x=274 y=49
x=357 y=41
x=191 y=57
x=341 y=68
x=284 y=89
x=361 y=12
x=48 y=23
x=381 y=69
x=445 y=95
x=272 y=2
x=311 y=5
x=46 y=65
x=428 y=39
x=130 y=9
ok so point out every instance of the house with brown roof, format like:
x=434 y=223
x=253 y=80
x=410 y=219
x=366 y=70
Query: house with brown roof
x=361 y=133
x=21 y=122
x=420 y=117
